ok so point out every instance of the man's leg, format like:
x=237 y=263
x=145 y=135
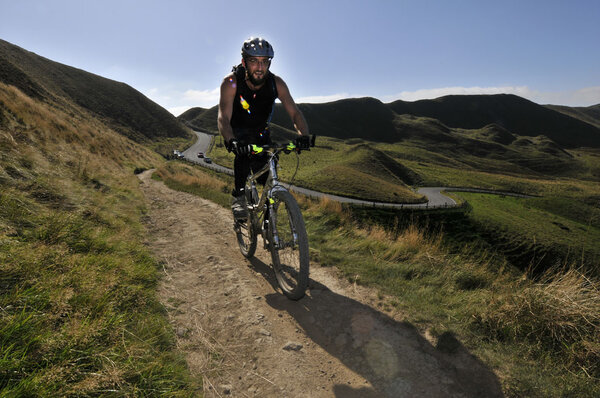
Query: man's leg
x=241 y=169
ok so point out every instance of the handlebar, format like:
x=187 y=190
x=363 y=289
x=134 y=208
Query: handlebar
x=285 y=147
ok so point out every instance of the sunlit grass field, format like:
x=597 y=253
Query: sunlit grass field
x=79 y=314
x=532 y=223
x=473 y=294
x=563 y=215
x=339 y=168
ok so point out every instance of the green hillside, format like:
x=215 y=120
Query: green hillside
x=200 y=119
x=80 y=314
x=77 y=284
x=590 y=114
x=360 y=171
x=124 y=108
x=518 y=115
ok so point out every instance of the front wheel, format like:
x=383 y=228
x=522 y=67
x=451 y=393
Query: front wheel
x=288 y=243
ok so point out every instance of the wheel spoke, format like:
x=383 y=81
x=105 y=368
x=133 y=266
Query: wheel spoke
x=289 y=249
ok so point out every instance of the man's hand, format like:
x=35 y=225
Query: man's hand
x=302 y=142
x=237 y=148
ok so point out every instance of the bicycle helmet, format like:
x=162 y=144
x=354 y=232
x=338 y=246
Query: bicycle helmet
x=257 y=47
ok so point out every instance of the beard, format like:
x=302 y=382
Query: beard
x=257 y=82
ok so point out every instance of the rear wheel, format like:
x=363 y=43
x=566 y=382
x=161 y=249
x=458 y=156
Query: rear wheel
x=244 y=229
x=288 y=243
x=246 y=237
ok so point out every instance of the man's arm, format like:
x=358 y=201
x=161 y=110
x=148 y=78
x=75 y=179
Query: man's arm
x=226 y=107
x=290 y=106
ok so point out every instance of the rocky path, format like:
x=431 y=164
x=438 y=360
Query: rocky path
x=243 y=338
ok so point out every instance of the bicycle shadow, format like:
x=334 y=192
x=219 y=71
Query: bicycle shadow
x=392 y=356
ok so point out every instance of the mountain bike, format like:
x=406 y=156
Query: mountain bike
x=276 y=216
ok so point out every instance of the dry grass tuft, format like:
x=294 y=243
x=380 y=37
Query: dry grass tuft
x=204 y=181
x=184 y=175
x=332 y=206
x=411 y=241
x=560 y=312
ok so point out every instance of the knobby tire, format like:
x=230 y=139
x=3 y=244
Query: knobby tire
x=244 y=230
x=290 y=258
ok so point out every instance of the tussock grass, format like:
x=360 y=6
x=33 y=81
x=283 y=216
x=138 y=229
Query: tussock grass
x=331 y=206
x=558 y=312
x=79 y=314
x=496 y=310
x=186 y=178
x=187 y=175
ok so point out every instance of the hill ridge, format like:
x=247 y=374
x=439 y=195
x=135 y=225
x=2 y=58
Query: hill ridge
x=127 y=110
x=369 y=119
x=516 y=114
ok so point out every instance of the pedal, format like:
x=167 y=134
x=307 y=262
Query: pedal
x=240 y=215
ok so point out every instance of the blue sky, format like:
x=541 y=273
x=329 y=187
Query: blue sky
x=176 y=52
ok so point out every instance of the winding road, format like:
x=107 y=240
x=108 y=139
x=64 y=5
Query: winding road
x=435 y=197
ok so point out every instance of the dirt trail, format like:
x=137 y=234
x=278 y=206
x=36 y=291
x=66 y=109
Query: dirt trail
x=245 y=339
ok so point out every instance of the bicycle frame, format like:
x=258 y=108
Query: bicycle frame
x=276 y=216
x=271 y=185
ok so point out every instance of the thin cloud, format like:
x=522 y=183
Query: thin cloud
x=177 y=102
x=178 y=110
x=319 y=99
x=202 y=98
x=583 y=97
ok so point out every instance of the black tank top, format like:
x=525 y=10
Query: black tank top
x=252 y=110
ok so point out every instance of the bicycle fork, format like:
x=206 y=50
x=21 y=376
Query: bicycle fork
x=272 y=223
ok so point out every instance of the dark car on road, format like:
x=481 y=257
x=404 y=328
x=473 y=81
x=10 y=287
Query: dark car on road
x=207 y=160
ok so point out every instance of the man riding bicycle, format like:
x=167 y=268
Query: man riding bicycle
x=246 y=105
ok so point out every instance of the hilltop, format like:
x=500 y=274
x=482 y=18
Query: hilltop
x=518 y=115
x=590 y=114
x=122 y=107
x=200 y=119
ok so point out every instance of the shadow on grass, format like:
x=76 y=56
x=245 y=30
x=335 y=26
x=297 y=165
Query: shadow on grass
x=392 y=357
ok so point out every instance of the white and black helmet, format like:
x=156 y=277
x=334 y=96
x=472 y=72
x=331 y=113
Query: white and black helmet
x=257 y=47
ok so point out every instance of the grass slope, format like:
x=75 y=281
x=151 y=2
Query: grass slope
x=363 y=172
x=80 y=316
x=201 y=119
x=125 y=109
x=518 y=115
x=365 y=118
x=590 y=114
